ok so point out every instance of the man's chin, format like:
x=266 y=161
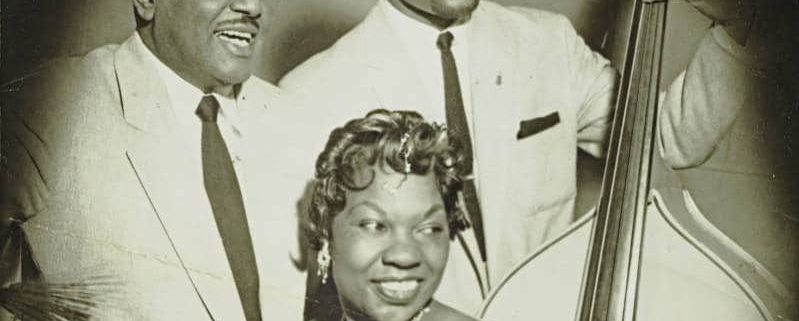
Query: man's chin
x=232 y=77
x=454 y=9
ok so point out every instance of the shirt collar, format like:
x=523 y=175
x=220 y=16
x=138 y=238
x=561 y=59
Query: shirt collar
x=184 y=96
x=415 y=34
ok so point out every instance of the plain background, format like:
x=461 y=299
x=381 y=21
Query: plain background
x=36 y=31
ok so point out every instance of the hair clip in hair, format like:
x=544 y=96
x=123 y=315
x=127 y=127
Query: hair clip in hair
x=405 y=152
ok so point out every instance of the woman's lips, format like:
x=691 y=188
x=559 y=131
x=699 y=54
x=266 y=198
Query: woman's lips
x=398 y=291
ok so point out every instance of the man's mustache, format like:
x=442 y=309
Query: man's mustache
x=243 y=20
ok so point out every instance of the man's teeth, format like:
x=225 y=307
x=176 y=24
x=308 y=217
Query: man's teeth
x=236 y=37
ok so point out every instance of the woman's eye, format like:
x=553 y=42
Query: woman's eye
x=432 y=229
x=372 y=226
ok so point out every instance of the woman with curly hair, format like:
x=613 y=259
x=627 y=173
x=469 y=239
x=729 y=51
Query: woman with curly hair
x=384 y=209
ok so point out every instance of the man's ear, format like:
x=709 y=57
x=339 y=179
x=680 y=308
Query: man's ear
x=145 y=9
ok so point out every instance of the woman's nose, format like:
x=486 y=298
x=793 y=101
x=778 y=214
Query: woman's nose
x=403 y=253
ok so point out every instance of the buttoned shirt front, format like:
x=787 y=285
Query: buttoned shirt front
x=184 y=99
x=419 y=39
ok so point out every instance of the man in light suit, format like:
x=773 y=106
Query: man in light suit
x=531 y=90
x=531 y=93
x=152 y=164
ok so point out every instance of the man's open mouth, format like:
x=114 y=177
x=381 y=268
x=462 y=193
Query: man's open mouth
x=235 y=37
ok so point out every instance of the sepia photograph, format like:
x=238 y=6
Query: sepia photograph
x=399 y=160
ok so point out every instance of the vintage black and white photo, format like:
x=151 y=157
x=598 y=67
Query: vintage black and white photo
x=399 y=160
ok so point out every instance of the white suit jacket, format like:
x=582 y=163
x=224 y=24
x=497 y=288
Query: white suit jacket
x=525 y=64
x=106 y=186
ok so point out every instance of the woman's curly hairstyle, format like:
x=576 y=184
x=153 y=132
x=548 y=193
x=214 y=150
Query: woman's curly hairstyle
x=400 y=140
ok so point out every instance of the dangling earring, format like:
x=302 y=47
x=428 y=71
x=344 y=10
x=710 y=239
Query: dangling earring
x=323 y=261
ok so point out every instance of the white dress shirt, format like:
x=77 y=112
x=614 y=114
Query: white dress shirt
x=420 y=41
x=184 y=99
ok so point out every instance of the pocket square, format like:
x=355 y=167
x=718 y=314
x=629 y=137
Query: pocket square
x=536 y=125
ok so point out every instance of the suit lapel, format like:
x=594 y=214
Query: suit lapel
x=173 y=183
x=492 y=63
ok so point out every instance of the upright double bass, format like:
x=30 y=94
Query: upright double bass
x=646 y=252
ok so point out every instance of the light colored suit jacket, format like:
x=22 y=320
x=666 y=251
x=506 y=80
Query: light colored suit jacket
x=524 y=64
x=106 y=185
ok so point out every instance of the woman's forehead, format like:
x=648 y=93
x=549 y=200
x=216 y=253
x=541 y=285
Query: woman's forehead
x=397 y=193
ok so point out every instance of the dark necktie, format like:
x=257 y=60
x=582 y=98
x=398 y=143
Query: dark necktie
x=459 y=128
x=224 y=193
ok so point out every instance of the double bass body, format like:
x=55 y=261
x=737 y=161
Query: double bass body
x=689 y=270
x=647 y=251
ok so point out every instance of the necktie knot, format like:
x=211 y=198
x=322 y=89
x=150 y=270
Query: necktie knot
x=444 y=41
x=208 y=109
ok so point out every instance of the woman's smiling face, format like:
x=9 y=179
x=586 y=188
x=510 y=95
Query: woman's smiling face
x=390 y=246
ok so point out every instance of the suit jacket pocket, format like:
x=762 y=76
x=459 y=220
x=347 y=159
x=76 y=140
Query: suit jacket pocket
x=536 y=125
